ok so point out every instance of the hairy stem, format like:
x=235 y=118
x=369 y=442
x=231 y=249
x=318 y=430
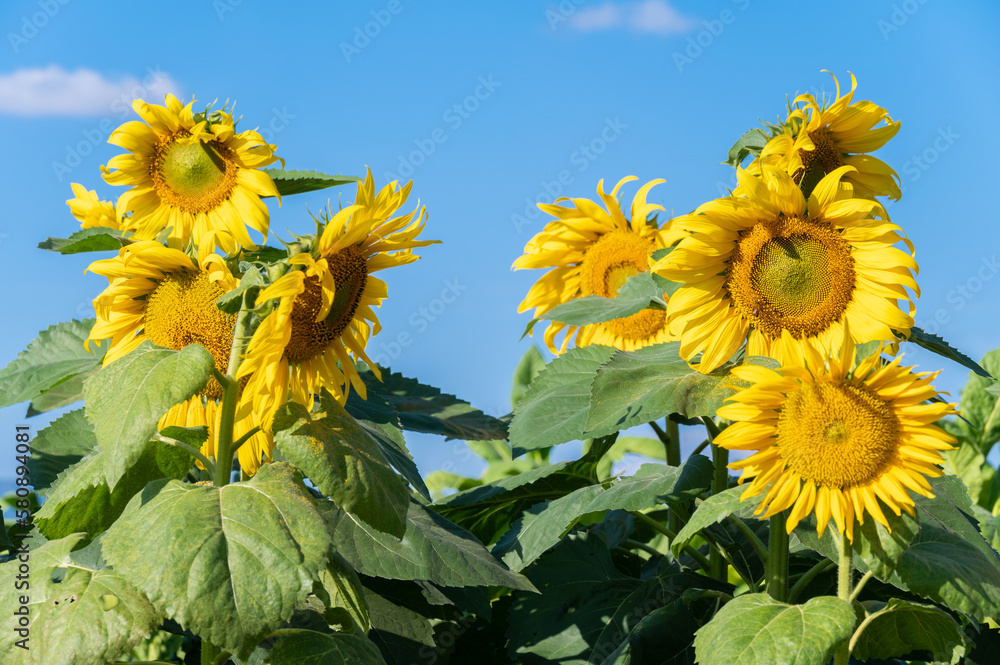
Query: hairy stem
x=777 y=558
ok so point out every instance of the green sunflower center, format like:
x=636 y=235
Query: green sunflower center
x=310 y=337
x=606 y=267
x=193 y=175
x=837 y=434
x=792 y=274
x=824 y=158
x=181 y=310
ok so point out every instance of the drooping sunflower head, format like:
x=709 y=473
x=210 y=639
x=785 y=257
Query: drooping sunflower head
x=91 y=211
x=835 y=438
x=819 y=138
x=162 y=295
x=590 y=250
x=197 y=412
x=753 y=268
x=192 y=174
x=325 y=311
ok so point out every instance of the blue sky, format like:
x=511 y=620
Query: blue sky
x=490 y=107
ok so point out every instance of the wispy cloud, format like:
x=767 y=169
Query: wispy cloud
x=53 y=91
x=649 y=16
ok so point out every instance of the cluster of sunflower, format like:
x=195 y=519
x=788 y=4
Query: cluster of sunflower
x=195 y=188
x=799 y=264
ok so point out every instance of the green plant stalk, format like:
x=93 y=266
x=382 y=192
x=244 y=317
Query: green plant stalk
x=671 y=535
x=845 y=572
x=777 y=558
x=808 y=577
x=720 y=482
x=230 y=397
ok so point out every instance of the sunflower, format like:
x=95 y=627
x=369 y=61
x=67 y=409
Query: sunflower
x=820 y=139
x=593 y=251
x=163 y=295
x=324 y=311
x=197 y=412
x=834 y=438
x=752 y=268
x=91 y=211
x=196 y=177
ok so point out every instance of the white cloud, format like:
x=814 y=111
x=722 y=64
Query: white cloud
x=53 y=91
x=657 y=16
x=649 y=16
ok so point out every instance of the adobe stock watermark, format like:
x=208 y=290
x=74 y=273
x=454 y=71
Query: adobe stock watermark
x=30 y=25
x=562 y=12
x=581 y=158
x=703 y=39
x=93 y=137
x=420 y=320
x=365 y=34
x=223 y=7
x=899 y=16
x=920 y=163
x=454 y=117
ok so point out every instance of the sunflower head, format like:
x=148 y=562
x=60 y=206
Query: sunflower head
x=325 y=313
x=91 y=211
x=836 y=435
x=592 y=251
x=819 y=138
x=191 y=174
x=162 y=295
x=757 y=266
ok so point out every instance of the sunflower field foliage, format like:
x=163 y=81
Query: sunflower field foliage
x=229 y=481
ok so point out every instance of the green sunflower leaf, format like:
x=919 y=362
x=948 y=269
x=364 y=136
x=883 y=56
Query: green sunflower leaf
x=309 y=647
x=544 y=524
x=126 y=399
x=344 y=462
x=432 y=549
x=554 y=409
x=587 y=606
x=899 y=628
x=488 y=510
x=58 y=354
x=228 y=563
x=751 y=143
x=528 y=367
x=404 y=636
x=755 y=629
x=59 y=446
x=80 y=500
x=344 y=588
x=935 y=344
x=85 y=615
x=635 y=387
x=62 y=394
x=232 y=301
x=95 y=239
x=639 y=292
x=980 y=406
x=423 y=408
x=300 y=182
x=712 y=511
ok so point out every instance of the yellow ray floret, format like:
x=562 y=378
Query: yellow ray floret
x=836 y=440
x=590 y=250
x=756 y=266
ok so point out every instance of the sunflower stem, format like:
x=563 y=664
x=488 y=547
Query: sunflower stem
x=720 y=482
x=230 y=397
x=191 y=450
x=808 y=577
x=845 y=573
x=671 y=535
x=777 y=558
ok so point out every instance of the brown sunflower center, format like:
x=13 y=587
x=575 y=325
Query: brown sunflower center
x=194 y=176
x=181 y=310
x=824 y=158
x=792 y=274
x=837 y=434
x=310 y=337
